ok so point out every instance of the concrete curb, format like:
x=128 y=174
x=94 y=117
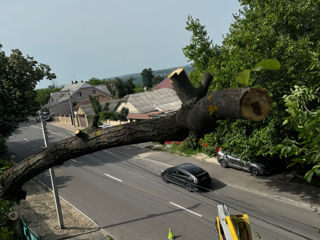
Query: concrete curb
x=276 y=197
x=103 y=232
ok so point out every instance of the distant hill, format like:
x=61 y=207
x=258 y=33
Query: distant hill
x=163 y=73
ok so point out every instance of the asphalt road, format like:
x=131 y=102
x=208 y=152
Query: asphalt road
x=121 y=190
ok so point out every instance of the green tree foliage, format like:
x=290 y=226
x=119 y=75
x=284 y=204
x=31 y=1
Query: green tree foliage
x=96 y=81
x=304 y=116
x=43 y=95
x=288 y=31
x=119 y=88
x=201 y=49
x=147 y=76
x=18 y=78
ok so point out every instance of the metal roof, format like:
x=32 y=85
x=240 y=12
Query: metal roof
x=73 y=87
x=103 y=88
x=161 y=99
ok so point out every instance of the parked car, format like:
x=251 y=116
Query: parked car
x=229 y=160
x=105 y=126
x=45 y=116
x=187 y=175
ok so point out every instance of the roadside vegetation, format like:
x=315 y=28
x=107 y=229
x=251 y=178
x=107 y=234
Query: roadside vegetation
x=278 y=29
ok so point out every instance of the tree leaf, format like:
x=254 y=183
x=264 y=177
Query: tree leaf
x=244 y=77
x=309 y=175
x=270 y=64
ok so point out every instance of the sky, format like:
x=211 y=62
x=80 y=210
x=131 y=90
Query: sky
x=81 y=39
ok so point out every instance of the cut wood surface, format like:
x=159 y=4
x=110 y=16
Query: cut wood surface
x=198 y=114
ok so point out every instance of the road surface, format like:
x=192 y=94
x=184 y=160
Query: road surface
x=121 y=190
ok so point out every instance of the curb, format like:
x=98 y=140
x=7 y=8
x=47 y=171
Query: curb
x=103 y=232
x=276 y=197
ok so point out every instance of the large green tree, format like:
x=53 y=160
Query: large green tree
x=286 y=30
x=18 y=77
x=120 y=88
x=147 y=76
x=43 y=95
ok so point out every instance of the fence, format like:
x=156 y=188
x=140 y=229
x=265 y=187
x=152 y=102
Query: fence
x=28 y=233
x=79 y=120
x=82 y=120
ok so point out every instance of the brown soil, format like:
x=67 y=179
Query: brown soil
x=40 y=214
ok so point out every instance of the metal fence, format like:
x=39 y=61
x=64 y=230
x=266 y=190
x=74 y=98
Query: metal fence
x=27 y=232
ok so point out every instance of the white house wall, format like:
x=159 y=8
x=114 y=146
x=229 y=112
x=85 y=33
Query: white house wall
x=128 y=105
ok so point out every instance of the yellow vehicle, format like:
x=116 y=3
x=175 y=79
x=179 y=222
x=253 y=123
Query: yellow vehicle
x=235 y=227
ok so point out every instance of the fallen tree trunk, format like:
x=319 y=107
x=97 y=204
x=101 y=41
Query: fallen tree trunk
x=198 y=114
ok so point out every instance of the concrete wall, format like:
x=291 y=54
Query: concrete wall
x=79 y=121
x=114 y=123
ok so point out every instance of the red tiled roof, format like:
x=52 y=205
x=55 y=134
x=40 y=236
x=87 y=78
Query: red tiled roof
x=144 y=115
x=164 y=84
x=138 y=116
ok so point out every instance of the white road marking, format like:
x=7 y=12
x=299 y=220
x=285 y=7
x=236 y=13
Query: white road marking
x=27 y=140
x=117 y=179
x=75 y=161
x=140 y=157
x=186 y=209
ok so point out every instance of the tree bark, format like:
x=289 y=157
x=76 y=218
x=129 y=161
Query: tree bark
x=198 y=114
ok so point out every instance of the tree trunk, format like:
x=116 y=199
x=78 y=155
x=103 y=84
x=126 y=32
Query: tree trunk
x=198 y=114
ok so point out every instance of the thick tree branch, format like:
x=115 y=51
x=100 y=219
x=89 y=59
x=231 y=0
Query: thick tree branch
x=200 y=117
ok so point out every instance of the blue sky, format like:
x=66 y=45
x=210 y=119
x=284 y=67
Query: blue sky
x=80 y=39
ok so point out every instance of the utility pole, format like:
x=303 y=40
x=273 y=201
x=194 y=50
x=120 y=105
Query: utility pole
x=71 y=111
x=52 y=175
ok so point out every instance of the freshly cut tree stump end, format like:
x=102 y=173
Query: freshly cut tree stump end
x=178 y=71
x=80 y=134
x=255 y=104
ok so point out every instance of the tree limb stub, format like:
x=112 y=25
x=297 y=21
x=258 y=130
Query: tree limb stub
x=199 y=117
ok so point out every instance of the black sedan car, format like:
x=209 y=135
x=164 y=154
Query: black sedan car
x=187 y=175
x=229 y=160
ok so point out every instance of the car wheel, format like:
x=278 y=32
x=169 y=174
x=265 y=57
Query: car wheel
x=223 y=163
x=254 y=171
x=189 y=187
x=165 y=178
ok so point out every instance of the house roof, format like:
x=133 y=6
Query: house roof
x=166 y=83
x=73 y=87
x=103 y=88
x=88 y=109
x=63 y=94
x=157 y=100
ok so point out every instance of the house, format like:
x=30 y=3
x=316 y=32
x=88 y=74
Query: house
x=166 y=83
x=71 y=95
x=85 y=108
x=146 y=105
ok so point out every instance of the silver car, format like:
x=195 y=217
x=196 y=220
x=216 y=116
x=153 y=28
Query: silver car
x=228 y=160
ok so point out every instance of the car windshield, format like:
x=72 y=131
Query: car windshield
x=194 y=170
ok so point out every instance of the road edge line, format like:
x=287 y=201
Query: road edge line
x=92 y=220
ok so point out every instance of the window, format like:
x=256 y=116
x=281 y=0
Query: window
x=79 y=94
x=93 y=91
